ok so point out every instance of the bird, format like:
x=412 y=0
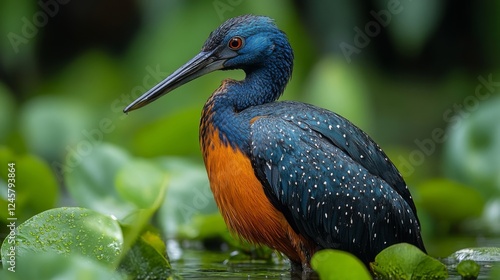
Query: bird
x=285 y=174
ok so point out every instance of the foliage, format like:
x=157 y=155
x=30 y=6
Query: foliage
x=189 y=201
x=107 y=183
x=92 y=183
x=68 y=231
x=51 y=265
x=146 y=259
x=336 y=264
x=405 y=261
x=471 y=260
x=468 y=269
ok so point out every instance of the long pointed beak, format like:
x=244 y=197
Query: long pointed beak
x=203 y=63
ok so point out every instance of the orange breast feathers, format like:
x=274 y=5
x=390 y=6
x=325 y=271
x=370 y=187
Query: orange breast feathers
x=242 y=201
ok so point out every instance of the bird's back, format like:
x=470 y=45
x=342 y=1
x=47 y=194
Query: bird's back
x=332 y=181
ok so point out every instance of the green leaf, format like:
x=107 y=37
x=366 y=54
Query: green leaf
x=142 y=183
x=112 y=182
x=449 y=201
x=51 y=265
x=52 y=127
x=405 y=261
x=155 y=241
x=146 y=259
x=67 y=231
x=92 y=181
x=335 y=264
x=468 y=269
x=35 y=188
x=188 y=195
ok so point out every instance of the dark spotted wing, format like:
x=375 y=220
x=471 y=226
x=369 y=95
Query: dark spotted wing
x=334 y=184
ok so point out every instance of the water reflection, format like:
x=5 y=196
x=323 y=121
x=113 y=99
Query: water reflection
x=199 y=263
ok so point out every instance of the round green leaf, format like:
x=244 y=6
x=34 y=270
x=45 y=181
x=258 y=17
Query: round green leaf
x=335 y=264
x=468 y=269
x=92 y=181
x=405 y=261
x=67 y=231
x=50 y=124
x=188 y=195
x=141 y=183
x=51 y=265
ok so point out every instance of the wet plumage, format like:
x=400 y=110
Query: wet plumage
x=289 y=175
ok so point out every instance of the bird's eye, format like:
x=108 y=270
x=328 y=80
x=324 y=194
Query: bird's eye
x=235 y=43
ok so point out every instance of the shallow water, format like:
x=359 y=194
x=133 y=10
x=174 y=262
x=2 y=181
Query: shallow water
x=194 y=263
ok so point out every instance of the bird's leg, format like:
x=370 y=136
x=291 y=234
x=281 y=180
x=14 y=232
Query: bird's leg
x=300 y=268
x=302 y=271
x=295 y=266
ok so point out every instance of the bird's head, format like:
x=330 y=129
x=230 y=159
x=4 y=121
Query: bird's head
x=246 y=42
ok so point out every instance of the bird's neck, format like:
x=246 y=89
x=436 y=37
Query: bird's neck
x=265 y=79
x=263 y=84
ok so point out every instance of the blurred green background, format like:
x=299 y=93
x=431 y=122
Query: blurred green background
x=421 y=77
